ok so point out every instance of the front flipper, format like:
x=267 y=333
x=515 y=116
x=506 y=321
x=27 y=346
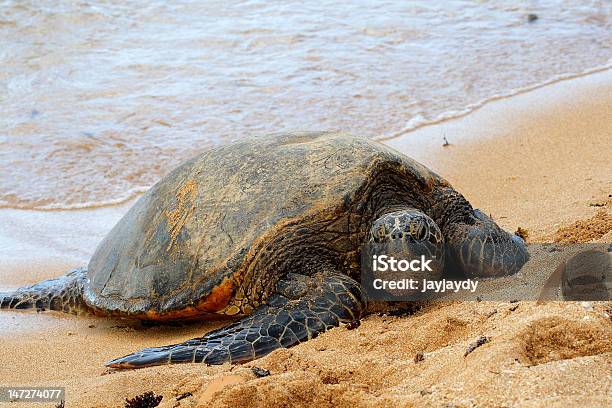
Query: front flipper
x=64 y=294
x=302 y=308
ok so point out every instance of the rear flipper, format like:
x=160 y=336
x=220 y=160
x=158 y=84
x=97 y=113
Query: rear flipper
x=303 y=307
x=64 y=294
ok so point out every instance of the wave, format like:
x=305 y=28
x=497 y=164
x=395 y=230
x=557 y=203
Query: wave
x=130 y=195
x=420 y=121
x=414 y=123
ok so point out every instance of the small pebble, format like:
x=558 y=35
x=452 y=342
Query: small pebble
x=419 y=357
x=183 y=396
x=473 y=346
x=353 y=324
x=260 y=372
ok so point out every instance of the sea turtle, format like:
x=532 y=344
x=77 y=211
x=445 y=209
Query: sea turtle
x=269 y=230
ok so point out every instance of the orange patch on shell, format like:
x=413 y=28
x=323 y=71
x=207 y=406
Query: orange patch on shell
x=218 y=298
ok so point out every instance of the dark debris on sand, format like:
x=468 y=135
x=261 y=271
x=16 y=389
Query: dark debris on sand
x=353 y=324
x=260 y=372
x=473 y=346
x=183 y=396
x=408 y=309
x=419 y=357
x=522 y=233
x=146 y=400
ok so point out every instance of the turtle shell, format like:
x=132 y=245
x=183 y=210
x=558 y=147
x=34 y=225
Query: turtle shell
x=186 y=237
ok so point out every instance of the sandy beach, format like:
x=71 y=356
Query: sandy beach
x=540 y=160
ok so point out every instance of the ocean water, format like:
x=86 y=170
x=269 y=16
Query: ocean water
x=98 y=100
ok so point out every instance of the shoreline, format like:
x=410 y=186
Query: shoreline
x=552 y=141
x=534 y=160
x=507 y=131
x=454 y=115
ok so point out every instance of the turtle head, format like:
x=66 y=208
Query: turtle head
x=407 y=235
x=483 y=249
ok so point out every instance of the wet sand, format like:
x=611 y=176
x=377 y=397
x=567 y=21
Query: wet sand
x=540 y=160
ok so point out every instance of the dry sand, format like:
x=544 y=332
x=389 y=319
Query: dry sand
x=541 y=161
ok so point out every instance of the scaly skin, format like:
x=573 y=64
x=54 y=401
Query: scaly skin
x=64 y=294
x=303 y=307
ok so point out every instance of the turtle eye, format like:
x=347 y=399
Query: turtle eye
x=378 y=233
x=381 y=232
